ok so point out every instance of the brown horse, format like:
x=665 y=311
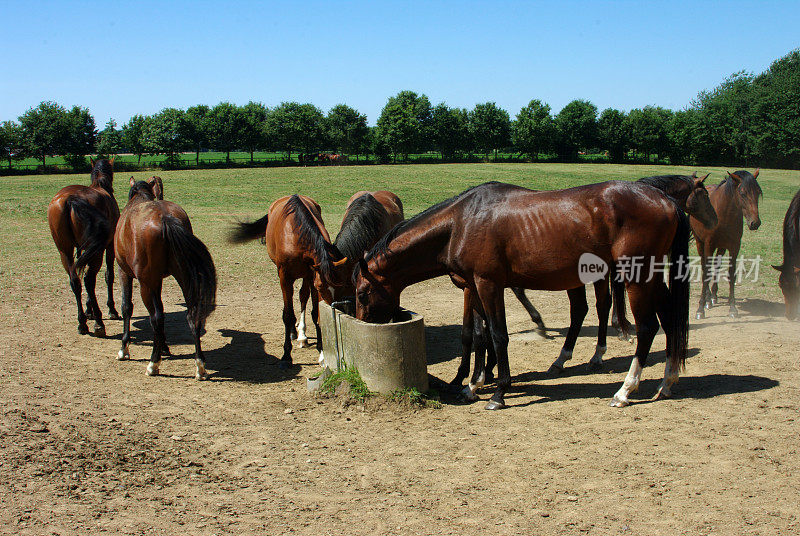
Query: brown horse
x=299 y=245
x=84 y=218
x=154 y=240
x=735 y=197
x=497 y=235
x=789 y=279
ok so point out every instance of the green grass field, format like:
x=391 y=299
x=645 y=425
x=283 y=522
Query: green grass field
x=215 y=198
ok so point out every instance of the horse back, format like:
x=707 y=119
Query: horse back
x=281 y=238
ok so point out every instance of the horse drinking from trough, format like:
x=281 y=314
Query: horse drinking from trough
x=734 y=198
x=789 y=278
x=83 y=218
x=154 y=240
x=497 y=235
x=299 y=245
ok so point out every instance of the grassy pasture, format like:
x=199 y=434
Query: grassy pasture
x=214 y=198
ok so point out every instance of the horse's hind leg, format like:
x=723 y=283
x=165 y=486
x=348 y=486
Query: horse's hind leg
x=644 y=313
x=466 y=340
x=665 y=317
x=315 y=316
x=577 y=312
x=196 y=325
x=603 y=298
x=618 y=321
x=75 y=284
x=536 y=318
x=715 y=266
x=152 y=300
x=493 y=301
x=112 y=311
x=288 y=317
x=90 y=282
x=126 y=283
x=305 y=292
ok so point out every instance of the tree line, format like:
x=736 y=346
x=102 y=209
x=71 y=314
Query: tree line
x=747 y=119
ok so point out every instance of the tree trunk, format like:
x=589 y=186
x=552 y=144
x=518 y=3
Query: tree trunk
x=197 y=157
x=228 y=158
x=139 y=161
x=251 y=157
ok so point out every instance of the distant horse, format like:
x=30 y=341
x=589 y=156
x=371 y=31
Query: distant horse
x=154 y=240
x=735 y=197
x=299 y=245
x=368 y=216
x=496 y=235
x=337 y=158
x=789 y=279
x=84 y=218
x=690 y=193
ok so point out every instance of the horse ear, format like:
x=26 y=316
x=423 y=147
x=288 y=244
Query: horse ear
x=734 y=176
x=779 y=268
x=133 y=181
x=703 y=180
x=112 y=160
x=91 y=161
x=158 y=187
x=755 y=175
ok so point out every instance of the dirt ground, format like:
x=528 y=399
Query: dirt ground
x=91 y=445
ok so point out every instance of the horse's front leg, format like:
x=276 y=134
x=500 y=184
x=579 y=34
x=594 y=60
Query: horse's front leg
x=577 y=312
x=112 y=311
x=704 y=259
x=492 y=298
x=305 y=292
x=733 y=313
x=288 y=317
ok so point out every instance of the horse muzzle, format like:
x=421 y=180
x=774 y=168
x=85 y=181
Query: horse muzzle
x=753 y=225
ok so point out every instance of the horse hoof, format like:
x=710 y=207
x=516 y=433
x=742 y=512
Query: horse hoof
x=151 y=370
x=166 y=351
x=293 y=336
x=734 y=313
x=555 y=370
x=662 y=395
x=492 y=405
x=700 y=315
x=285 y=364
x=468 y=394
x=303 y=343
x=202 y=377
x=619 y=403
x=83 y=330
x=123 y=355
x=99 y=331
x=114 y=315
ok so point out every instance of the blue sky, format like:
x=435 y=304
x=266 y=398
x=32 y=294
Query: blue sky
x=124 y=58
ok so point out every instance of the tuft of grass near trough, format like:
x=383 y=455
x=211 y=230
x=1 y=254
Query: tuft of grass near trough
x=414 y=398
x=358 y=390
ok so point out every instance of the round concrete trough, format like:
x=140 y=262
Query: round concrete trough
x=387 y=356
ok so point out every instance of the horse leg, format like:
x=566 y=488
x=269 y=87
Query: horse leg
x=704 y=259
x=199 y=358
x=305 y=292
x=733 y=313
x=618 y=321
x=603 y=299
x=664 y=316
x=151 y=296
x=90 y=282
x=644 y=313
x=315 y=316
x=577 y=312
x=112 y=311
x=126 y=282
x=466 y=340
x=75 y=284
x=536 y=318
x=493 y=301
x=479 y=371
x=288 y=317
x=717 y=260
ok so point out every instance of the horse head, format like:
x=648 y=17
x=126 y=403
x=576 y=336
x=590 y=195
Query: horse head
x=374 y=300
x=748 y=193
x=141 y=191
x=332 y=281
x=103 y=174
x=789 y=281
x=698 y=204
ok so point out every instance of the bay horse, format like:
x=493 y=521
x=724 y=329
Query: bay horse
x=688 y=192
x=498 y=235
x=299 y=245
x=83 y=218
x=735 y=197
x=153 y=240
x=789 y=278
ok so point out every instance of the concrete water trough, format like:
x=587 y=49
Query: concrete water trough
x=387 y=356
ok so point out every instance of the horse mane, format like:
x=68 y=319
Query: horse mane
x=103 y=175
x=749 y=183
x=791 y=232
x=361 y=227
x=669 y=184
x=142 y=189
x=309 y=234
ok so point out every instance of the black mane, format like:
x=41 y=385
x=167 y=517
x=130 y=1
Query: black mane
x=103 y=175
x=142 y=189
x=309 y=235
x=669 y=184
x=749 y=183
x=361 y=227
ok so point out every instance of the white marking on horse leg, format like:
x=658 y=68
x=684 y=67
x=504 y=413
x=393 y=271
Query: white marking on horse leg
x=670 y=379
x=481 y=379
x=630 y=385
x=302 y=338
x=558 y=364
x=123 y=354
x=152 y=369
x=322 y=358
x=597 y=358
x=201 y=373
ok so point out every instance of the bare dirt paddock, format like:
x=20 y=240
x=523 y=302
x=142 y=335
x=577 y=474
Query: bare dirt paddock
x=92 y=445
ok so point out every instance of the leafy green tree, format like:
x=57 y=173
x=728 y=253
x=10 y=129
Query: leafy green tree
x=612 y=133
x=251 y=135
x=681 y=128
x=165 y=133
x=450 y=130
x=296 y=127
x=225 y=121
x=647 y=130
x=404 y=125
x=109 y=140
x=347 y=130
x=81 y=133
x=197 y=129
x=489 y=127
x=44 y=130
x=576 y=125
x=534 y=130
x=724 y=113
x=10 y=142
x=133 y=136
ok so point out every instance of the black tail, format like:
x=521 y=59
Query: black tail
x=196 y=273
x=244 y=231
x=679 y=292
x=96 y=231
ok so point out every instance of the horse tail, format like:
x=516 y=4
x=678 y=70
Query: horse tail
x=244 y=231
x=195 y=269
x=679 y=292
x=96 y=230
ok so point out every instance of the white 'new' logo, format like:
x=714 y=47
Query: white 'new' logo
x=591 y=268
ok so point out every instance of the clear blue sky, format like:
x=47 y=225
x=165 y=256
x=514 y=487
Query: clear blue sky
x=124 y=58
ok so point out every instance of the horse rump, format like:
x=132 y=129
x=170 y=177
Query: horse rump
x=196 y=273
x=96 y=231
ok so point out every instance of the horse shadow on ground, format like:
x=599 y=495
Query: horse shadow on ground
x=243 y=359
